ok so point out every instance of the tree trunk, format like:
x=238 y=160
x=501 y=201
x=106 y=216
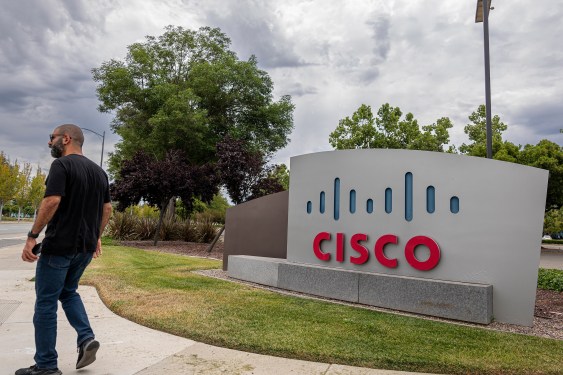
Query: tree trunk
x=19 y=213
x=171 y=209
x=1 y=210
x=215 y=239
x=160 y=219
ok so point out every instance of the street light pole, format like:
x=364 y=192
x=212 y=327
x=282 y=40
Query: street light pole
x=103 y=136
x=482 y=15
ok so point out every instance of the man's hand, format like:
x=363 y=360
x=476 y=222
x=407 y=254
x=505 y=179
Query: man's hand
x=98 y=251
x=27 y=254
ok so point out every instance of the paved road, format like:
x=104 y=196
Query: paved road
x=13 y=233
x=552 y=259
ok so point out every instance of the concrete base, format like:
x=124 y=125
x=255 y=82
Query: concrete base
x=446 y=299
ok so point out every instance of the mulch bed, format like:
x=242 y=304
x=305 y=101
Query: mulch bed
x=548 y=313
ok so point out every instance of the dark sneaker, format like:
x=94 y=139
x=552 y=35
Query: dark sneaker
x=87 y=353
x=33 y=370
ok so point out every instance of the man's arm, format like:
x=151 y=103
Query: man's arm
x=106 y=213
x=47 y=209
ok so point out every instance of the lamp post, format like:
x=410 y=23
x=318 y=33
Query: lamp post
x=482 y=15
x=103 y=136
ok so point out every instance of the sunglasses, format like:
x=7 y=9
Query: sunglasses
x=53 y=136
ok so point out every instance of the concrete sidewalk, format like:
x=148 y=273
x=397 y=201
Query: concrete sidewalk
x=126 y=348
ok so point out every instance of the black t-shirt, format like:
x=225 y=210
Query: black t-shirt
x=84 y=188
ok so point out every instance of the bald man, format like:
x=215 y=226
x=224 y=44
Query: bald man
x=76 y=208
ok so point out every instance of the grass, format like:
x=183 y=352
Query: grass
x=159 y=291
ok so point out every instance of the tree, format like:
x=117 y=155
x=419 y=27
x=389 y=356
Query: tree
x=158 y=181
x=547 y=155
x=36 y=191
x=388 y=130
x=8 y=181
x=244 y=172
x=185 y=90
x=281 y=174
x=477 y=132
x=553 y=221
x=23 y=186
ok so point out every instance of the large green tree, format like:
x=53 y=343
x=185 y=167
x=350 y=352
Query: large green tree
x=477 y=133
x=186 y=90
x=389 y=130
x=547 y=155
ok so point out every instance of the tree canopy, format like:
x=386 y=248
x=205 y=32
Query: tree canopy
x=244 y=172
x=389 y=130
x=186 y=90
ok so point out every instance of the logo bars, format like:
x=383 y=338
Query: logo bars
x=388 y=200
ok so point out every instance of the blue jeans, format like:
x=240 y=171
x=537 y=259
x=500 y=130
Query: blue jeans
x=56 y=279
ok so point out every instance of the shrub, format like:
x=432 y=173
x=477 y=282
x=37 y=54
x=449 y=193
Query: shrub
x=145 y=211
x=554 y=242
x=205 y=228
x=170 y=230
x=146 y=228
x=550 y=279
x=122 y=226
x=188 y=231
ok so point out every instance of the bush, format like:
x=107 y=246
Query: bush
x=146 y=228
x=170 y=230
x=122 y=226
x=550 y=279
x=145 y=211
x=554 y=242
x=205 y=228
x=188 y=231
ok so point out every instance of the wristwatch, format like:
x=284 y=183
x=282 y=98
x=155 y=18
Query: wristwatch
x=32 y=235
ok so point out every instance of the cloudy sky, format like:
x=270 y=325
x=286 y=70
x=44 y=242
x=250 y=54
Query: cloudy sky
x=424 y=56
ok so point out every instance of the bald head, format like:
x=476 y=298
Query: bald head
x=75 y=133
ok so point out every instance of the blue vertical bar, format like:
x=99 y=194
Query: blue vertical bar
x=388 y=200
x=309 y=207
x=352 y=201
x=454 y=205
x=369 y=206
x=408 y=196
x=430 y=199
x=336 y=198
x=322 y=203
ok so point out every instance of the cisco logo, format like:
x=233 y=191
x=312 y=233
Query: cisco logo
x=387 y=200
x=359 y=254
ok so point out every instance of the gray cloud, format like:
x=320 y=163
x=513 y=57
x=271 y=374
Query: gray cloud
x=254 y=30
x=425 y=57
x=382 y=44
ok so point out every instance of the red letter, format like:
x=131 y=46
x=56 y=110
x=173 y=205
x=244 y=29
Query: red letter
x=380 y=255
x=364 y=253
x=340 y=247
x=428 y=264
x=322 y=236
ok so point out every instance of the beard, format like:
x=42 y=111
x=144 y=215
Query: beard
x=57 y=149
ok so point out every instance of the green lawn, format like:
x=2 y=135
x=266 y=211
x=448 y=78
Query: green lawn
x=159 y=291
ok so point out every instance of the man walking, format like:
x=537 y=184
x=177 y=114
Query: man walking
x=76 y=209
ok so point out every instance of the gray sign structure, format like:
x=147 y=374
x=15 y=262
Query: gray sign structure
x=433 y=233
x=485 y=215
